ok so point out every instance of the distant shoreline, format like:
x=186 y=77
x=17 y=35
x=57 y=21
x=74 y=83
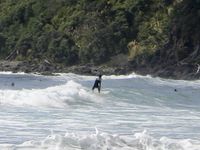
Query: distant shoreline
x=178 y=72
x=50 y=68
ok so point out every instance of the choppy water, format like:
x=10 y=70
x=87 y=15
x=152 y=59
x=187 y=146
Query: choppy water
x=131 y=113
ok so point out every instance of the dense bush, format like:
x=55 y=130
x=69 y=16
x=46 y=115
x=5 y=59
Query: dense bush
x=84 y=31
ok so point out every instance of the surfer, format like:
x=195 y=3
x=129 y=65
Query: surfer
x=97 y=83
x=12 y=84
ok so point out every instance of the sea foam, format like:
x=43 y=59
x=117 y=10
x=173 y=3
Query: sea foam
x=105 y=141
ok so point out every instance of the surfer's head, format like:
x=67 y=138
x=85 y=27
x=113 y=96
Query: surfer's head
x=100 y=76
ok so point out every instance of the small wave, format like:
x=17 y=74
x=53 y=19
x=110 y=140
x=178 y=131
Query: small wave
x=56 y=96
x=82 y=77
x=129 y=76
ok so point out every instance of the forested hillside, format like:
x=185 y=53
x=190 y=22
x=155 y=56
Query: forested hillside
x=74 y=32
x=81 y=30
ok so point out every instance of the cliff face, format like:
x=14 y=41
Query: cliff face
x=184 y=40
x=180 y=56
x=152 y=34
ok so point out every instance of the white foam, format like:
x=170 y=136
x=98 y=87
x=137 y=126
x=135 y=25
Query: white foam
x=105 y=141
x=9 y=72
x=132 y=75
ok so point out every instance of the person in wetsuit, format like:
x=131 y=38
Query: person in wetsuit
x=97 y=83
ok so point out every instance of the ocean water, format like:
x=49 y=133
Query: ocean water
x=131 y=113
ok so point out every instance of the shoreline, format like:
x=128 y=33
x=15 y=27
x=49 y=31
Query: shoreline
x=182 y=72
x=47 y=68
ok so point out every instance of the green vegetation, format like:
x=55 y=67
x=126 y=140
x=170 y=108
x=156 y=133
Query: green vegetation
x=85 y=31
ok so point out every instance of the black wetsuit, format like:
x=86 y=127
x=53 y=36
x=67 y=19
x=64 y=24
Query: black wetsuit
x=97 y=84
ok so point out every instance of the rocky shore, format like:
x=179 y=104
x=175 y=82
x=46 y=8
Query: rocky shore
x=177 y=72
x=48 y=68
x=184 y=71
